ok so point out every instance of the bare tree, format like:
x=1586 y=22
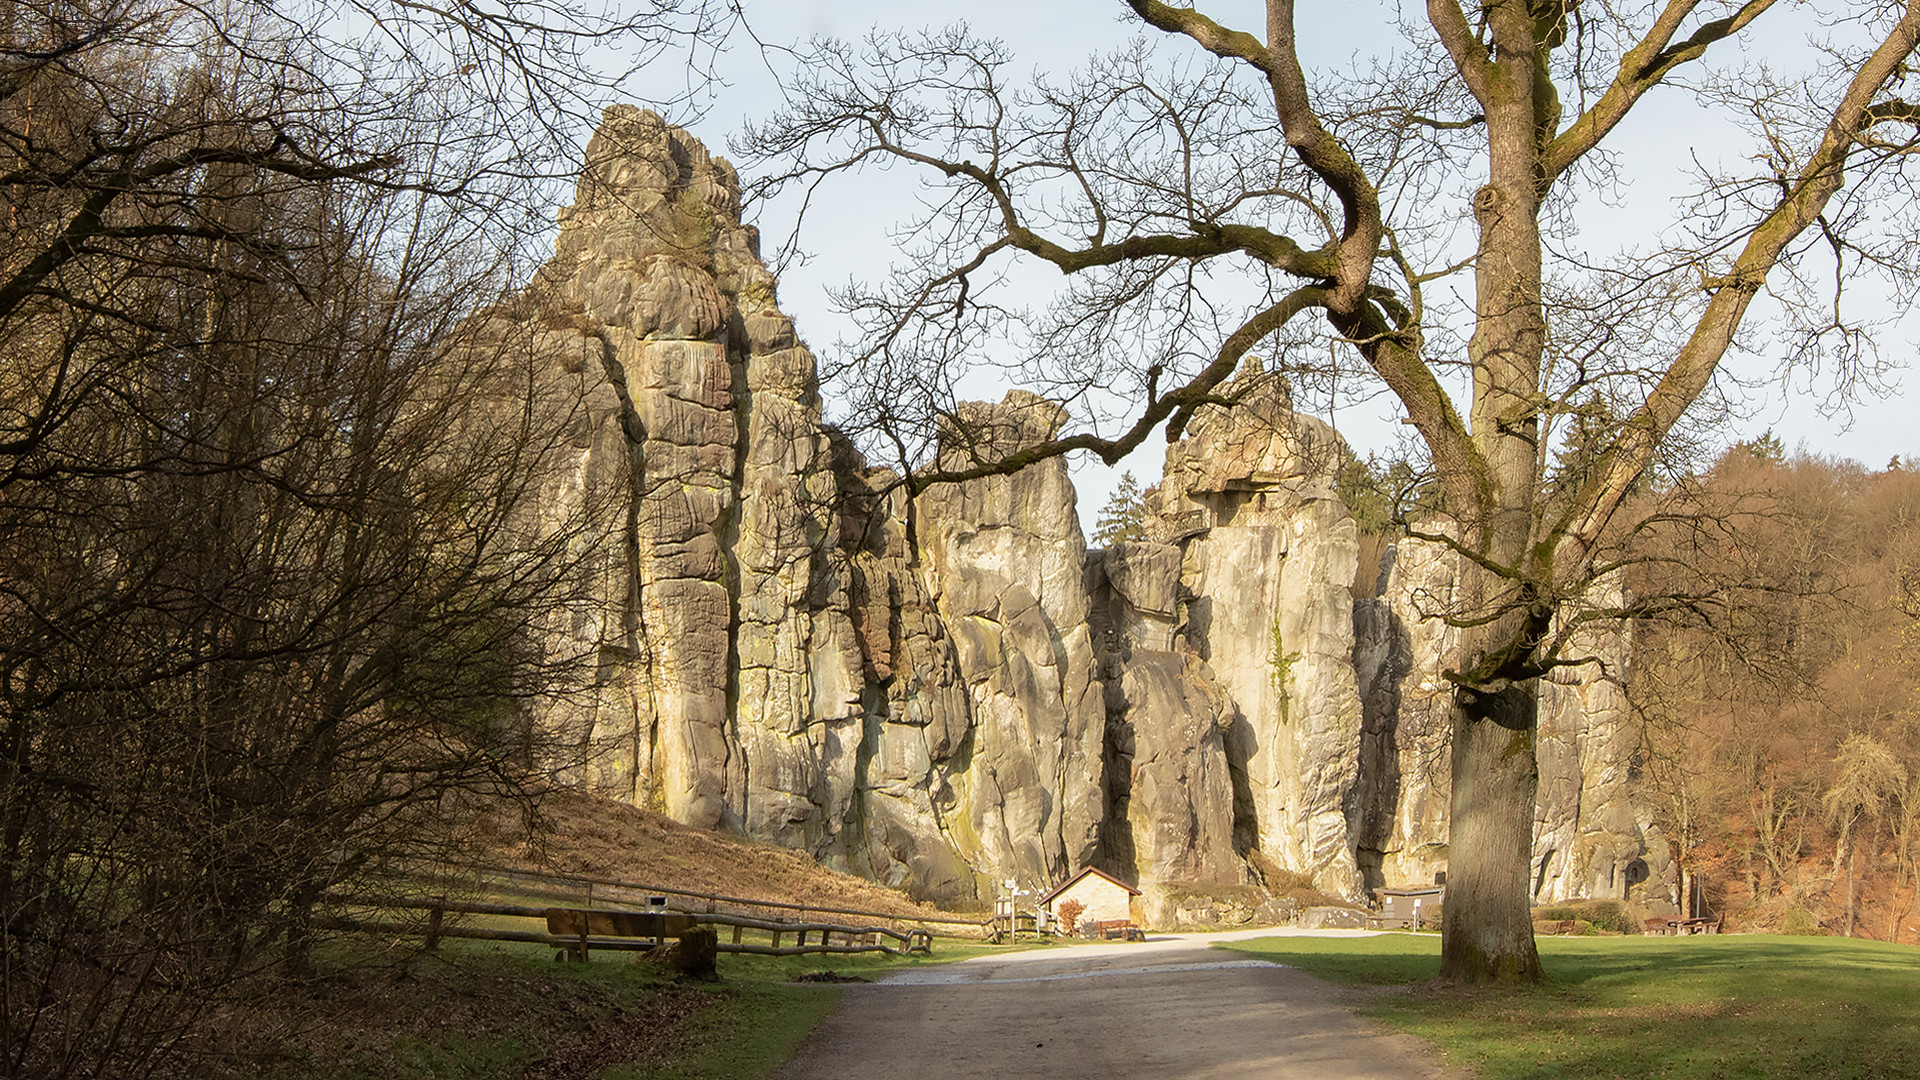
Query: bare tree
x=1221 y=198
x=1869 y=783
x=272 y=581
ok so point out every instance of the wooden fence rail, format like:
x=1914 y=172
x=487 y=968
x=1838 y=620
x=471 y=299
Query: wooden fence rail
x=853 y=939
x=981 y=925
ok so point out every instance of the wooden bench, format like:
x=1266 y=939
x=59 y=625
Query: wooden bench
x=581 y=926
x=1122 y=929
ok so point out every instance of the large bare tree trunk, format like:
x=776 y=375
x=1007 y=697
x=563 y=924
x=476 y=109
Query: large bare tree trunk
x=1487 y=933
x=1486 y=927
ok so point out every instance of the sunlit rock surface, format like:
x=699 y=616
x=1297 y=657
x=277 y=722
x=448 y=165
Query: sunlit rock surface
x=979 y=697
x=1268 y=563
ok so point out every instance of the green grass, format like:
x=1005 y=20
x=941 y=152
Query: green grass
x=1708 y=1007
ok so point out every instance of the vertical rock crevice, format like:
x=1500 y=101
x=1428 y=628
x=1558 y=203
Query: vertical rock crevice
x=635 y=634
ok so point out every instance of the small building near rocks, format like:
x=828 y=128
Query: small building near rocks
x=1103 y=898
x=1407 y=908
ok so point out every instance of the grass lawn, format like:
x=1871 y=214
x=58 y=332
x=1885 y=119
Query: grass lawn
x=1636 y=1007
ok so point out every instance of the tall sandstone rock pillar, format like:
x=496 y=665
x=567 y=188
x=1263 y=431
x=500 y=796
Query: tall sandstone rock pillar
x=731 y=676
x=1268 y=562
x=1005 y=562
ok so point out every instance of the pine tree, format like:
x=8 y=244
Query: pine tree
x=1125 y=515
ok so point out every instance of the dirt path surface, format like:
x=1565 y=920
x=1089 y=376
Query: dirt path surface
x=1167 y=1009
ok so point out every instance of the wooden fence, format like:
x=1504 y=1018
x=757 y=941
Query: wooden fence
x=806 y=934
x=593 y=890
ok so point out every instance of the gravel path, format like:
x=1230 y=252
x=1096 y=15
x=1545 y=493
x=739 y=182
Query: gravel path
x=1167 y=1009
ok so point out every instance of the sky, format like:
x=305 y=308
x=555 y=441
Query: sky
x=846 y=235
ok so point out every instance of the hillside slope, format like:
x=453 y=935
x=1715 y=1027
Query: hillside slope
x=572 y=832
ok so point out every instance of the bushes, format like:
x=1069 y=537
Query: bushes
x=1070 y=914
x=1798 y=921
x=1590 y=917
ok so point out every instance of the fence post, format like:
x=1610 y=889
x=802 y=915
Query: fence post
x=736 y=933
x=434 y=916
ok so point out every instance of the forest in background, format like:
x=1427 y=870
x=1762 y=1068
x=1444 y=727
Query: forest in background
x=1782 y=745
x=1777 y=695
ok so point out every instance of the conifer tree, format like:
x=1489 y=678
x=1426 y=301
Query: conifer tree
x=1125 y=515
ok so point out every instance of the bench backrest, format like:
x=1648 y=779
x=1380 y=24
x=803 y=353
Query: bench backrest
x=572 y=922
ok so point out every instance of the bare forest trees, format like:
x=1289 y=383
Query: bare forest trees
x=1781 y=736
x=1206 y=194
x=267 y=575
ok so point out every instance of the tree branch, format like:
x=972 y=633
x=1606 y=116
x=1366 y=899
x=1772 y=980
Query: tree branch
x=1179 y=404
x=1463 y=46
x=1641 y=69
x=1798 y=208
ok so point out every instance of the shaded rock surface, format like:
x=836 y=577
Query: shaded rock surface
x=947 y=694
x=1586 y=832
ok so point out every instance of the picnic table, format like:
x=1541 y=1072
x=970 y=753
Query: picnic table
x=1674 y=927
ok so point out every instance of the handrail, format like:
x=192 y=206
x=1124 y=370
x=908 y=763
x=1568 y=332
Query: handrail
x=465 y=907
x=718 y=919
x=460 y=907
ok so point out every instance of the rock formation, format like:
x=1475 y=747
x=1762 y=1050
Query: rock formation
x=980 y=697
x=1586 y=834
x=1268 y=554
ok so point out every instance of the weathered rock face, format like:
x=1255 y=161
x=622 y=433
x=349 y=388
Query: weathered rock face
x=1170 y=787
x=1268 y=563
x=1586 y=835
x=1399 y=805
x=979 y=697
x=776 y=658
x=1004 y=560
x=733 y=688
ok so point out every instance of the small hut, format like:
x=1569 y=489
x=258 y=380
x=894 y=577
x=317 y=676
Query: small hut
x=1402 y=909
x=1103 y=898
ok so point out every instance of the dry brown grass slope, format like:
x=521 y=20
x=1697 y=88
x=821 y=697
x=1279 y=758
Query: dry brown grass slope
x=575 y=833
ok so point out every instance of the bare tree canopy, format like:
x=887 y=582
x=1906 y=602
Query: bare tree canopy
x=1206 y=195
x=269 y=584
